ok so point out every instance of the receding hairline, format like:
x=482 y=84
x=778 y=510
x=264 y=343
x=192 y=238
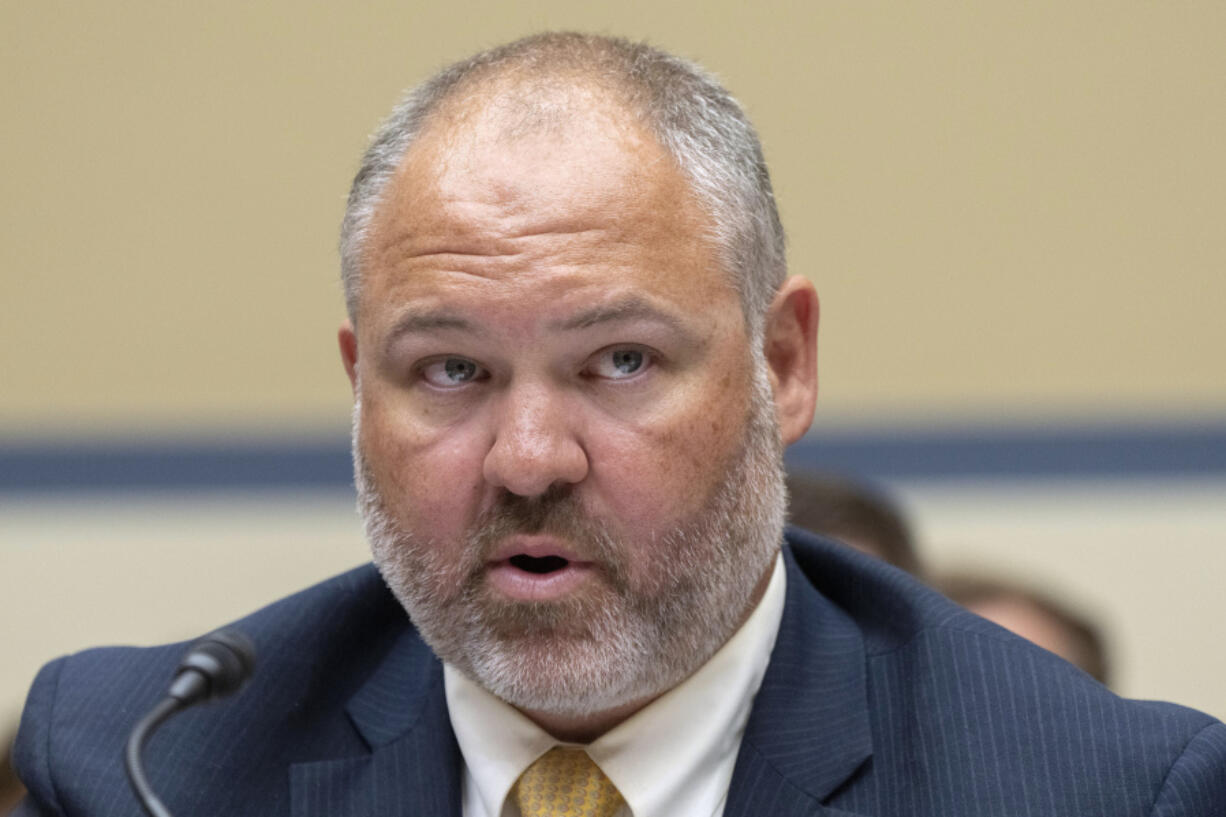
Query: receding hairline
x=522 y=105
x=515 y=104
x=534 y=83
x=679 y=104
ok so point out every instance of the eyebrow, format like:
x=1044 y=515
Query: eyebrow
x=631 y=308
x=627 y=309
x=417 y=321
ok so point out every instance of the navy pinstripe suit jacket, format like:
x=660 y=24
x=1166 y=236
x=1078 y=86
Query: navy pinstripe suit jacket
x=881 y=698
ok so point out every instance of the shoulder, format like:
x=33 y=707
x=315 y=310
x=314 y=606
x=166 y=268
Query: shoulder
x=313 y=648
x=891 y=608
x=947 y=689
x=289 y=635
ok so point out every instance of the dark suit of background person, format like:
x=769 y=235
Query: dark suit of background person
x=881 y=698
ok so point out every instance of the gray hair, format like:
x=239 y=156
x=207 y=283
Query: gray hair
x=694 y=118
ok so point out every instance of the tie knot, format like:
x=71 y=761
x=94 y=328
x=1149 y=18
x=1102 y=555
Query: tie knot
x=565 y=782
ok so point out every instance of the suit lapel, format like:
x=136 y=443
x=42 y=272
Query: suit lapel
x=414 y=763
x=809 y=730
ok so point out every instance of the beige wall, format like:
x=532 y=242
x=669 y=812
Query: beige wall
x=1010 y=209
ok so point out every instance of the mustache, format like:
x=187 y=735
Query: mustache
x=551 y=512
x=557 y=512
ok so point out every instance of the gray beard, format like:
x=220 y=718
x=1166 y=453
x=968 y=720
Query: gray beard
x=617 y=642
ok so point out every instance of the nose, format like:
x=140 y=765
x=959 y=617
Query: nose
x=535 y=445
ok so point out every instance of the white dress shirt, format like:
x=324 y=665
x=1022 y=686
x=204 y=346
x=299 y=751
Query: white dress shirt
x=673 y=758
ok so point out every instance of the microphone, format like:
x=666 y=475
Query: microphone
x=215 y=666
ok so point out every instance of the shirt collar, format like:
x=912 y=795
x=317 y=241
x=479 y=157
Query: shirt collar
x=673 y=757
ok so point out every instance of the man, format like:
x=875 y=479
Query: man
x=576 y=357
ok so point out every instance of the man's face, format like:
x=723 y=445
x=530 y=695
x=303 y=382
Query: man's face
x=567 y=457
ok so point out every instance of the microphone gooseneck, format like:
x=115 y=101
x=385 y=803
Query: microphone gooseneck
x=215 y=666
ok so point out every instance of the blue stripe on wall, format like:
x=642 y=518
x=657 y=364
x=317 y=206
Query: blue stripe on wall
x=1050 y=452
x=1053 y=452
x=174 y=465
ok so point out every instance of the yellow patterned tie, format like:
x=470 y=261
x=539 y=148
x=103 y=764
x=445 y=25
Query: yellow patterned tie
x=565 y=782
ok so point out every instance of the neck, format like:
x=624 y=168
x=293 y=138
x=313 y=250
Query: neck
x=585 y=728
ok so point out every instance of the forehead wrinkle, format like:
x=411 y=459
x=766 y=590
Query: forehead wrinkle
x=479 y=244
x=554 y=248
x=429 y=219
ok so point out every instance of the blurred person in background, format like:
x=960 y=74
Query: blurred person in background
x=865 y=518
x=855 y=514
x=1035 y=615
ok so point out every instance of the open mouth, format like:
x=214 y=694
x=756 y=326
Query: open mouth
x=538 y=568
x=539 y=565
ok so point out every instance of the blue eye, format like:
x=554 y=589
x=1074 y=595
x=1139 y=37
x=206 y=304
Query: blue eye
x=627 y=361
x=450 y=372
x=620 y=362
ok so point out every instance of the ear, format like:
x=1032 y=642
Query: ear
x=790 y=343
x=348 y=340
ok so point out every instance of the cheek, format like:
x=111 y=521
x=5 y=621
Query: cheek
x=659 y=474
x=430 y=479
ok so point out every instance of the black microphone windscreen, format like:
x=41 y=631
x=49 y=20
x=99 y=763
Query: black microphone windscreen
x=226 y=658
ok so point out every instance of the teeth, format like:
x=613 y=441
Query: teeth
x=543 y=564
